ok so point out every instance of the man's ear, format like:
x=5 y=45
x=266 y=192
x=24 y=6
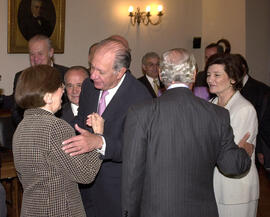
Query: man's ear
x=51 y=52
x=121 y=73
x=48 y=98
x=194 y=75
x=143 y=67
x=159 y=71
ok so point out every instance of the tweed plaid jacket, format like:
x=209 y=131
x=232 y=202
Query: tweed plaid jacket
x=49 y=176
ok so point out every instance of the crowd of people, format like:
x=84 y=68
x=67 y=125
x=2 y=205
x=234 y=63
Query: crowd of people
x=98 y=142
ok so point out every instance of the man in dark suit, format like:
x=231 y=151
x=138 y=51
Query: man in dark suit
x=33 y=23
x=171 y=146
x=3 y=207
x=73 y=79
x=40 y=52
x=109 y=76
x=258 y=94
x=150 y=67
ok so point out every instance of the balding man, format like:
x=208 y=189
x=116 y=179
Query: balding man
x=120 y=39
x=91 y=52
x=40 y=52
x=73 y=80
x=110 y=91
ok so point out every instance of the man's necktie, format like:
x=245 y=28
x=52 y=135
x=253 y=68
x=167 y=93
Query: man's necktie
x=156 y=86
x=102 y=102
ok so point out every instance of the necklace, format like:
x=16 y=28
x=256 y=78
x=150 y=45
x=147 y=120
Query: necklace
x=227 y=100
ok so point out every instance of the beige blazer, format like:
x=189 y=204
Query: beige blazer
x=243 y=119
x=49 y=176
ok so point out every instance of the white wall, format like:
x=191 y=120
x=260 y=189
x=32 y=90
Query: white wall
x=258 y=39
x=89 y=21
x=225 y=19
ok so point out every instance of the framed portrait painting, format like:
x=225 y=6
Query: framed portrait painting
x=27 y=18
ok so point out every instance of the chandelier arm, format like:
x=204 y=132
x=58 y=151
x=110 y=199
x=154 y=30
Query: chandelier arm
x=155 y=23
x=143 y=17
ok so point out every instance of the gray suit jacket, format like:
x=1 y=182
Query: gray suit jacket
x=49 y=176
x=171 y=146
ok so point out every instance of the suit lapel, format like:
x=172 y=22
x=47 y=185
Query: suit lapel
x=118 y=98
x=149 y=86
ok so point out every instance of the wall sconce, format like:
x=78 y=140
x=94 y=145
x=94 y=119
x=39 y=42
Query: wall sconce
x=144 y=17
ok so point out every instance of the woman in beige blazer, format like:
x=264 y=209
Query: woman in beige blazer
x=49 y=176
x=235 y=196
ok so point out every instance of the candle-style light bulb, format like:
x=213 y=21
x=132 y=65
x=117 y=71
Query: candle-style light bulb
x=130 y=9
x=148 y=8
x=160 y=8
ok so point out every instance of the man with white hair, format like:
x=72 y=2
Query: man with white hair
x=172 y=145
x=41 y=52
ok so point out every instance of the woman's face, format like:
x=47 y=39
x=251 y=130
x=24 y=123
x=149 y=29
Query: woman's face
x=56 y=99
x=218 y=80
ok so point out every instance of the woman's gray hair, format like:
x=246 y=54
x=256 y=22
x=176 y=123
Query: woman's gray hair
x=177 y=65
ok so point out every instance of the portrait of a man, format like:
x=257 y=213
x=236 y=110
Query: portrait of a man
x=36 y=17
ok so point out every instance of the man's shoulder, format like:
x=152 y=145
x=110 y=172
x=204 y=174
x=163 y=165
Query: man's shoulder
x=253 y=83
x=66 y=112
x=142 y=78
x=134 y=86
x=18 y=73
x=66 y=106
x=214 y=111
x=88 y=84
x=61 y=68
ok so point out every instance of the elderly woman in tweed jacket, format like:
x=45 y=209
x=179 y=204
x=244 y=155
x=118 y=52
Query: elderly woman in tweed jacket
x=49 y=176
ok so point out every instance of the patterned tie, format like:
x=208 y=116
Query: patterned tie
x=156 y=86
x=102 y=102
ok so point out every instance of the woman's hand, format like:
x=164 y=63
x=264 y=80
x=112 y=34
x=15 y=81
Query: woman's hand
x=95 y=121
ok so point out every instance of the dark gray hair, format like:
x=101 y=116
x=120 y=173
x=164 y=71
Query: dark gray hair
x=177 y=65
x=149 y=55
x=122 y=54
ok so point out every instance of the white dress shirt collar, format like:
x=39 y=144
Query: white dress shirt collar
x=245 y=79
x=74 y=108
x=177 y=85
x=112 y=91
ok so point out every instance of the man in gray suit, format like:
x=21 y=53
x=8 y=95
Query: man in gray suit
x=171 y=146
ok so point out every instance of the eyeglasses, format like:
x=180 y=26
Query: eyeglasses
x=70 y=86
x=152 y=64
x=62 y=86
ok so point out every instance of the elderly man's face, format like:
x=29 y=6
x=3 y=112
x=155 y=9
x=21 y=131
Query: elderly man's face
x=36 y=8
x=73 y=84
x=102 y=72
x=39 y=53
x=151 y=68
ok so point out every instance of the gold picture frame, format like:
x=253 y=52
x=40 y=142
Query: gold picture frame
x=16 y=40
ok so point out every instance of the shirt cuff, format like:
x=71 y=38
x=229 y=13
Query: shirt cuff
x=103 y=148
